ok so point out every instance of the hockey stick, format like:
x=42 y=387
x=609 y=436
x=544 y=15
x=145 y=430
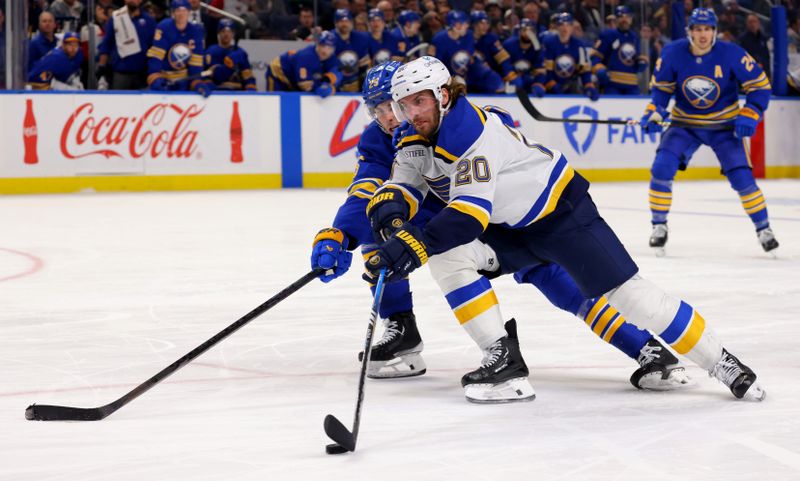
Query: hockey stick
x=525 y=100
x=233 y=17
x=346 y=440
x=44 y=412
x=422 y=47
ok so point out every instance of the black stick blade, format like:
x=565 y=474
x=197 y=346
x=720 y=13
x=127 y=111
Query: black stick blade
x=337 y=432
x=44 y=412
x=335 y=449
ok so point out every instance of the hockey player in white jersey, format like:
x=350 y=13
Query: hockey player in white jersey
x=530 y=206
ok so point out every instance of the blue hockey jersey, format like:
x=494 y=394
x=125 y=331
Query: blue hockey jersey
x=385 y=49
x=707 y=87
x=301 y=70
x=55 y=64
x=354 y=57
x=145 y=29
x=565 y=62
x=455 y=54
x=527 y=61
x=38 y=47
x=231 y=68
x=618 y=51
x=489 y=48
x=176 y=54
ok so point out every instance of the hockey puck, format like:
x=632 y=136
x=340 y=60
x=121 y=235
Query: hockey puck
x=335 y=449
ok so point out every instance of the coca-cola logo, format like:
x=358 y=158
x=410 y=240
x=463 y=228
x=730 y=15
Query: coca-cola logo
x=164 y=129
x=29 y=131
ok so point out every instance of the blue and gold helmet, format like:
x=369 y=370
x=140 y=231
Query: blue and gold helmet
x=703 y=16
x=623 y=10
x=376 y=13
x=226 y=24
x=377 y=87
x=478 y=16
x=456 y=16
x=342 y=14
x=176 y=4
x=326 y=38
x=563 y=17
x=408 y=16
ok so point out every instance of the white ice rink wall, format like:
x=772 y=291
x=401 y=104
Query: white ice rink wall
x=66 y=142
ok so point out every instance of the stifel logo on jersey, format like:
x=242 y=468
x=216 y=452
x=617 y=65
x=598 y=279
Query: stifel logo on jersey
x=163 y=129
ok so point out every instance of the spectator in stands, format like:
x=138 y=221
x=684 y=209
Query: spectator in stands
x=566 y=61
x=385 y=6
x=60 y=68
x=533 y=12
x=494 y=12
x=361 y=22
x=306 y=25
x=67 y=12
x=384 y=45
x=755 y=43
x=588 y=20
x=123 y=51
x=44 y=41
x=358 y=6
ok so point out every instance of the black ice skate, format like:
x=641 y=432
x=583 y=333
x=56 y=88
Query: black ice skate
x=767 y=239
x=739 y=378
x=503 y=375
x=658 y=238
x=660 y=370
x=397 y=353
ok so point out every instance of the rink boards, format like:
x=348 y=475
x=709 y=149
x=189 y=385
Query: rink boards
x=67 y=142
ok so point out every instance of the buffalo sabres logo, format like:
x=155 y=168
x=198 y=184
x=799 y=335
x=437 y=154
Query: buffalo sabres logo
x=382 y=56
x=627 y=53
x=522 y=66
x=179 y=56
x=565 y=66
x=460 y=62
x=348 y=62
x=701 y=92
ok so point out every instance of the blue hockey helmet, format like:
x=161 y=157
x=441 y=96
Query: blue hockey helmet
x=527 y=23
x=176 y=4
x=455 y=16
x=478 y=16
x=342 y=14
x=327 y=38
x=703 y=16
x=226 y=24
x=563 y=17
x=376 y=13
x=70 y=37
x=377 y=87
x=621 y=10
x=408 y=16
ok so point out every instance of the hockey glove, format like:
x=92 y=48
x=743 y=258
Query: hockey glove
x=387 y=212
x=204 y=88
x=159 y=84
x=399 y=133
x=652 y=118
x=324 y=90
x=590 y=91
x=518 y=82
x=400 y=255
x=328 y=253
x=602 y=76
x=747 y=121
x=538 y=90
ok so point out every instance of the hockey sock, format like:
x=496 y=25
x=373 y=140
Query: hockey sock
x=396 y=298
x=660 y=200
x=477 y=310
x=752 y=199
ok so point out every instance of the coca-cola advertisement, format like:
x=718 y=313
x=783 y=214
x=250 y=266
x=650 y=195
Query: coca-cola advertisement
x=139 y=134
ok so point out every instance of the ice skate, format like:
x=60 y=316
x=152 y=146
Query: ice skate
x=767 y=239
x=397 y=352
x=502 y=376
x=658 y=239
x=739 y=378
x=660 y=370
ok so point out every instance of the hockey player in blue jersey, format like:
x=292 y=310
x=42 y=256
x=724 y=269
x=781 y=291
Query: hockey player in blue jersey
x=705 y=76
x=615 y=57
x=407 y=32
x=455 y=47
x=311 y=69
x=352 y=50
x=228 y=62
x=397 y=353
x=522 y=203
x=566 y=61
x=175 y=60
x=62 y=65
x=123 y=50
x=490 y=50
x=527 y=56
x=384 y=46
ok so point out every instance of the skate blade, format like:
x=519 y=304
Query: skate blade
x=407 y=365
x=514 y=390
x=755 y=394
x=677 y=379
x=659 y=251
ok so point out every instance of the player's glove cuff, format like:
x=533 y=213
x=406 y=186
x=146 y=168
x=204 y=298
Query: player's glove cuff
x=751 y=111
x=387 y=211
x=404 y=252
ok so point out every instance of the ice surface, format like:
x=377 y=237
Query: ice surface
x=99 y=292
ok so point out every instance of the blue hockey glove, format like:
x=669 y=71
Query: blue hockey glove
x=328 y=253
x=518 y=82
x=387 y=212
x=400 y=255
x=652 y=118
x=204 y=88
x=590 y=91
x=602 y=76
x=324 y=90
x=234 y=59
x=538 y=90
x=400 y=132
x=159 y=84
x=747 y=121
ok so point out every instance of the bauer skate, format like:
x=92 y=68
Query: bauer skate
x=658 y=239
x=767 y=239
x=397 y=353
x=660 y=370
x=739 y=378
x=502 y=376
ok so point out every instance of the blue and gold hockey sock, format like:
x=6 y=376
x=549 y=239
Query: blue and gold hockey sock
x=610 y=326
x=660 y=200
x=755 y=206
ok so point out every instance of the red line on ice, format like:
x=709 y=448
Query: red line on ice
x=36 y=262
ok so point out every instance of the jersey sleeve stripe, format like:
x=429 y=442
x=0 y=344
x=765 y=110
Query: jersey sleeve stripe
x=444 y=155
x=471 y=210
x=481 y=113
x=412 y=196
x=412 y=140
x=368 y=184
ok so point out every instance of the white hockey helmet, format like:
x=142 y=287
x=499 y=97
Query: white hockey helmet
x=424 y=73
